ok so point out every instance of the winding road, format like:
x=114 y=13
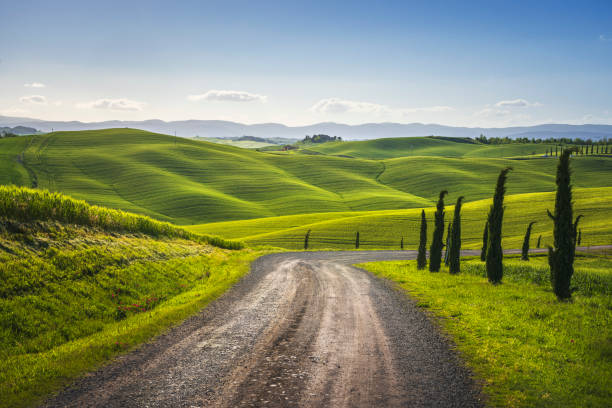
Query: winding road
x=301 y=330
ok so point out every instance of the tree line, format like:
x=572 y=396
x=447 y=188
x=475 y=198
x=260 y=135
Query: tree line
x=560 y=256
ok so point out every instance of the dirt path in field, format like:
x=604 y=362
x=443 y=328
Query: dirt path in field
x=301 y=330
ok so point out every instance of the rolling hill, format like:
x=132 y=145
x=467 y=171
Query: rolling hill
x=193 y=182
x=384 y=229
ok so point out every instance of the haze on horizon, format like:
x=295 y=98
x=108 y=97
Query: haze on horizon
x=453 y=63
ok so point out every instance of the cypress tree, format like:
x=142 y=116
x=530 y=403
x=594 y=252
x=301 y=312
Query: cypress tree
x=306 y=239
x=561 y=257
x=357 y=240
x=448 y=243
x=525 y=250
x=422 y=255
x=485 y=239
x=435 y=250
x=539 y=241
x=402 y=243
x=579 y=237
x=495 y=254
x=455 y=242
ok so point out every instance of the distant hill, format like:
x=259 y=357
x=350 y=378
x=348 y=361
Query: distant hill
x=225 y=129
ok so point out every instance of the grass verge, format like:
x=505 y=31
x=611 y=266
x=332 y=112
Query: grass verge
x=73 y=297
x=529 y=349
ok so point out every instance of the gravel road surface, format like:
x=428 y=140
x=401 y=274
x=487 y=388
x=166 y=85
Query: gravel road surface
x=301 y=330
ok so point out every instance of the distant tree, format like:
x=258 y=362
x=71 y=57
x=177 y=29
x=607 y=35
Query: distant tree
x=448 y=243
x=402 y=243
x=357 y=240
x=435 y=250
x=579 y=237
x=422 y=255
x=485 y=239
x=561 y=256
x=556 y=150
x=539 y=241
x=525 y=250
x=306 y=238
x=455 y=241
x=592 y=149
x=495 y=254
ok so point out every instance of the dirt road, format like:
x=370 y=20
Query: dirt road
x=303 y=330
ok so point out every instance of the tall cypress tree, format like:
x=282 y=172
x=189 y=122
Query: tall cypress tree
x=306 y=239
x=539 y=241
x=579 y=237
x=485 y=241
x=422 y=255
x=357 y=240
x=455 y=242
x=435 y=250
x=402 y=243
x=448 y=242
x=525 y=250
x=561 y=256
x=495 y=255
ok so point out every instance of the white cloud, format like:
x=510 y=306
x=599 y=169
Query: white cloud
x=428 y=109
x=516 y=103
x=492 y=113
x=14 y=112
x=120 y=104
x=34 y=85
x=602 y=37
x=227 y=96
x=337 y=105
x=35 y=99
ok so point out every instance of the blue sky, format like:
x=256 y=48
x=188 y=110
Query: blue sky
x=489 y=63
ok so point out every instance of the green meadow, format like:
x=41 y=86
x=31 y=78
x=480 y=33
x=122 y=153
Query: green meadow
x=385 y=229
x=526 y=348
x=190 y=182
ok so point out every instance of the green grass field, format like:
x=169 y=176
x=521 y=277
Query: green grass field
x=384 y=229
x=192 y=182
x=72 y=297
x=526 y=348
x=425 y=146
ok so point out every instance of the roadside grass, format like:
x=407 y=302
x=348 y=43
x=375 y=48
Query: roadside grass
x=26 y=204
x=527 y=348
x=191 y=182
x=384 y=229
x=74 y=297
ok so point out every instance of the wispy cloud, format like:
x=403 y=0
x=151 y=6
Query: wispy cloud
x=14 y=112
x=428 y=109
x=120 y=104
x=34 y=99
x=227 y=96
x=516 y=103
x=35 y=85
x=337 y=105
x=603 y=37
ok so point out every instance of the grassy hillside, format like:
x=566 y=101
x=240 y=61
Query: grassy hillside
x=384 y=229
x=425 y=146
x=80 y=284
x=189 y=182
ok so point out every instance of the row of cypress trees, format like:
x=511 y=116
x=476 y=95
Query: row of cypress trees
x=560 y=256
